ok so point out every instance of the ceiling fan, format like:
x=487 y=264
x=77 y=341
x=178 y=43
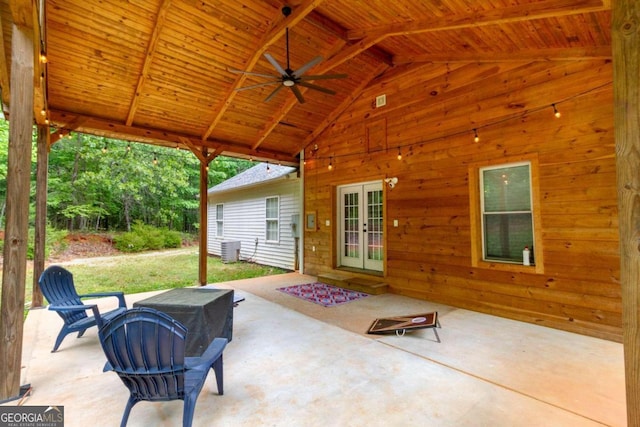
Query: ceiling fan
x=288 y=77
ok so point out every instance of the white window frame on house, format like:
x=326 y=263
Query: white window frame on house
x=220 y=220
x=479 y=257
x=271 y=218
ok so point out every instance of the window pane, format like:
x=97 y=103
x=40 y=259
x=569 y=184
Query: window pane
x=272 y=230
x=506 y=235
x=272 y=207
x=219 y=229
x=219 y=212
x=507 y=189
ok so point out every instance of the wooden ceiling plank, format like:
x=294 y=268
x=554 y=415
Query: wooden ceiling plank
x=529 y=55
x=151 y=52
x=342 y=107
x=494 y=16
x=298 y=14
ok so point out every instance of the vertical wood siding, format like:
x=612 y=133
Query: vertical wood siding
x=431 y=118
x=244 y=221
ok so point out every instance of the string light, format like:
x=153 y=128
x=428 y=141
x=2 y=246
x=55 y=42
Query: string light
x=128 y=146
x=43 y=58
x=268 y=168
x=555 y=111
x=104 y=149
x=155 y=159
x=476 y=138
x=330 y=167
x=399 y=154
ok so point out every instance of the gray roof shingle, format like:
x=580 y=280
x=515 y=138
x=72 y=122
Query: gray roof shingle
x=255 y=175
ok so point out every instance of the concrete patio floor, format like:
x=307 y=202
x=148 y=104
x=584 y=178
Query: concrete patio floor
x=295 y=363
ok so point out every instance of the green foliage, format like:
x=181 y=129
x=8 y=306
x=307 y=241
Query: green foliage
x=144 y=237
x=97 y=183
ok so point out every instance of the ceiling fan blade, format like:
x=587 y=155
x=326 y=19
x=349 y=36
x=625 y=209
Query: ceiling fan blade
x=316 y=87
x=275 y=64
x=272 y=94
x=298 y=94
x=324 y=77
x=300 y=71
x=250 y=73
x=258 y=85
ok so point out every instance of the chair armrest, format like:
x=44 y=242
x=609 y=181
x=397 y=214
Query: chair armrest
x=117 y=294
x=210 y=355
x=92 y=307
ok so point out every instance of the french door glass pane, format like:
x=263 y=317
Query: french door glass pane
x=374 y=225
x=351 y=232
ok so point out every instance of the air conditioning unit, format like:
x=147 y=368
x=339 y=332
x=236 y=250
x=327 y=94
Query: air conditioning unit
x=230 y=251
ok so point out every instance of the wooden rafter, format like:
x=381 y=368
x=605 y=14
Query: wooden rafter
x=148 y=60
x=494 y=16
x=271 y=37
x=529 y=55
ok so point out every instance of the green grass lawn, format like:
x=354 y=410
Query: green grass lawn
x=142 y=273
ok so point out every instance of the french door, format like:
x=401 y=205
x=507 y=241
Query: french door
x=361 y=226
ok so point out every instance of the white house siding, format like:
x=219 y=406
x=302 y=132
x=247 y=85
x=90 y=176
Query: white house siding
x=245 y=220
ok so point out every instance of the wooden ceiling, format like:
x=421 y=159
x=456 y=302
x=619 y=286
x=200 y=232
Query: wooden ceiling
x=159 y=71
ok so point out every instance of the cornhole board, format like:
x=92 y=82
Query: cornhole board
x=401 y=324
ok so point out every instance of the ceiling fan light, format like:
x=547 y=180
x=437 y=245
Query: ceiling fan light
x=288 y=83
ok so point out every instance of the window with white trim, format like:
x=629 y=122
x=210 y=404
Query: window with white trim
x=507 y=213
x=272 y=219
x=219 y=219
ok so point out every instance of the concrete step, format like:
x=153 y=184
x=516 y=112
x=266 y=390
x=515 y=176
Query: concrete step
x=369 y=286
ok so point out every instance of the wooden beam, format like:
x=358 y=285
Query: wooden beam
x=17 y=213
x=148 y=60
x=626 y=92
x=529 y=55
x=491 y=16
x=4 y=71
x=202 y=250
x=94 y=126
x=41 y=213
x=298 y=14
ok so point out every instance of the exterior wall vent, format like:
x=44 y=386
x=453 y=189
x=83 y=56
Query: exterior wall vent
x=381 y=101
x=230 y=251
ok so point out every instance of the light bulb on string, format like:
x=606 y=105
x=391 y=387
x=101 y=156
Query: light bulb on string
x=330 y=167
x=476 y=138
x=555 y=111
x=128 y=147
x=268 y=168
x=104 y=149
x=399 y=154
x=155 y=159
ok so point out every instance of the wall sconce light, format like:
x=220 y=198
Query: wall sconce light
x=391 y=182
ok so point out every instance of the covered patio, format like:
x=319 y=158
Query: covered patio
x=292 y=362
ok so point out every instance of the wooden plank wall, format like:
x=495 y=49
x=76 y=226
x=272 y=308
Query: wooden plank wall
x=430 y=115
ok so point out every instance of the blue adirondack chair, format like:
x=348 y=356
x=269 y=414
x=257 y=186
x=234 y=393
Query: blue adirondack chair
x=146 y=348
x=57 y=287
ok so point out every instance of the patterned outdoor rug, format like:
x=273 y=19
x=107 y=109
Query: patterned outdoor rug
x=323 y=294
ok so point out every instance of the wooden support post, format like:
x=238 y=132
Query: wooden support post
x=626 y=88
x=41 y=214
x=16 y=230
x=204 y=178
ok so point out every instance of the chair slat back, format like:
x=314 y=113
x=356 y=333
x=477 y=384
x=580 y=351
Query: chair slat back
x=58 y=288
x=146 y=348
